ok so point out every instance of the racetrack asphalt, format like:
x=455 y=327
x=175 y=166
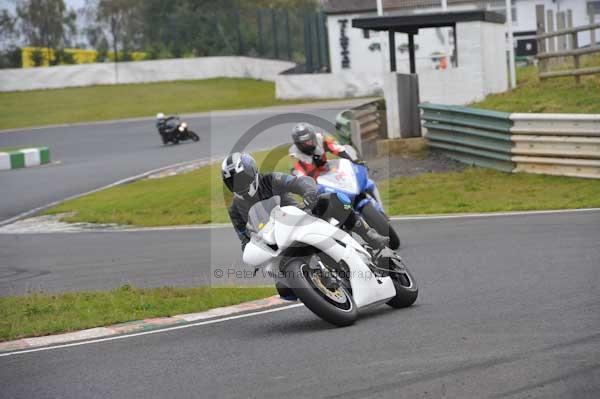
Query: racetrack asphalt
x=509 y=307
x=97 y=154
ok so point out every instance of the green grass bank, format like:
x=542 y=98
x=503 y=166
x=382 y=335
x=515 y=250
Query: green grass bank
x=201 y=198
x=43 y=314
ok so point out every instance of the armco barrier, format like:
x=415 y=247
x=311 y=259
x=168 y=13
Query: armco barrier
x=23 y=158
x=363 y=125
x=557 y=144
x=474 y=136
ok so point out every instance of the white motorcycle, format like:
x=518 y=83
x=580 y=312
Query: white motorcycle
x=322 y=265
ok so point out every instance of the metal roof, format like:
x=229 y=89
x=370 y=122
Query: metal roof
x=363 y=6
x=414 y=22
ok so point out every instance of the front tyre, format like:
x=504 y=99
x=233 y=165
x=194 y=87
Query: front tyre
x=381 y=224
x=406 y=286
x=335 y=306
x=193 y=136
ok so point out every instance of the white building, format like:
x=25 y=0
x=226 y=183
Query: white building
x=363 y=47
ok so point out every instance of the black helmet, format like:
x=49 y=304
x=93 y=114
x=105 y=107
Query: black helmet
x=240 y=174
x=305 y=138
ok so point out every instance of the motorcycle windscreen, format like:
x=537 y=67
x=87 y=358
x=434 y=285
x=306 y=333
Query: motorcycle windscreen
x=260 y=213
x=340 y=176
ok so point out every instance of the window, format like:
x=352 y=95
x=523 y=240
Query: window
x=366 y=33
x=593 y=7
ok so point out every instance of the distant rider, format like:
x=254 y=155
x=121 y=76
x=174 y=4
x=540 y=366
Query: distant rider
x=166 y=125
x=242 y=177
x=310 y=150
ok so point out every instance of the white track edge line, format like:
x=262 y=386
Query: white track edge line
x=494 y=214
x=227 y=225
x=180 y=327
x=126 y=180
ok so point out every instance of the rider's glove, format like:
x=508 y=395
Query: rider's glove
x=318 y=161
x=311 y=198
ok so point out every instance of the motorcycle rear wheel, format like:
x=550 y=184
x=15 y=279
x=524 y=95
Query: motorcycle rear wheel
x=406 y=286
x=334 y=306
x=381 y=224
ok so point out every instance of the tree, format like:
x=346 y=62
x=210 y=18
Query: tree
x=7 y=25
x=120 y=18
x=47 y=24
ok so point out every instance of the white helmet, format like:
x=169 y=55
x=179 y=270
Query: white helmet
x=160 y=115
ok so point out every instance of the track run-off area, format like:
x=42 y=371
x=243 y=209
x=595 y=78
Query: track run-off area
x=509 y=307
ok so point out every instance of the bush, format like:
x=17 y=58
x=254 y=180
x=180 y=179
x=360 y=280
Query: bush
x=11 y=58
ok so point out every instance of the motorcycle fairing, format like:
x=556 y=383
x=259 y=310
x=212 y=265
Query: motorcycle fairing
x=293 y=225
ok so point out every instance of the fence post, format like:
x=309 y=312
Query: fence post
x=541 y=29
x=261 y=44
x=318 y=42
x=325 y=42
x=308 y=43
x=550 y=28
x=569 y=24
x=274 y=25
x=592 y=31
x=560 y=25
x=238 y=23
x=288 y=40
x=575 y=43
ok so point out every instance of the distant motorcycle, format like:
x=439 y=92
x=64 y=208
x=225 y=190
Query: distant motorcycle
x=173 y=130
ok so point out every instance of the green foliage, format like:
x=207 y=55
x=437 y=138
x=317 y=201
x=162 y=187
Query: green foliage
x=37 y=57
x=11 y=58
x=47 y=24
x=42 y=314
x=121 y=18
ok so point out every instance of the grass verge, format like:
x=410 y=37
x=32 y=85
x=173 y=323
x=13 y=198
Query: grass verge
x=200 y=197
x=486 y=190
x=559 y=95
x=43 y=314
x=86 y=104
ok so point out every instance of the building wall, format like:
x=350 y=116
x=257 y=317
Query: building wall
x=430 y=41
x=482 y=70
x=365 y=57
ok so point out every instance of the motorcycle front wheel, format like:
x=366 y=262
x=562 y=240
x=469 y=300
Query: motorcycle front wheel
x=381 y=224
x=405 y=284
x=335 y=306
x=193 y=136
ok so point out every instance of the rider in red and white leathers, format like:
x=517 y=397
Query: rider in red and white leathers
x=310 y=151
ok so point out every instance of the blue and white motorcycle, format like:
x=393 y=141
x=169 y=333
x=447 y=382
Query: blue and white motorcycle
x=353 y=180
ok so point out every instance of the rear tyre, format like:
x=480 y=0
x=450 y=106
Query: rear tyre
x=381 y=224
x=193 y=136
x=334 y=306
x=406 y=286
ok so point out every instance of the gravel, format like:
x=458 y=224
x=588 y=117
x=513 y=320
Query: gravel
x=407 y=165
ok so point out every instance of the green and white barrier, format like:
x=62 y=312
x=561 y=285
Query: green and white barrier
x=555 y=144
x=24 y=158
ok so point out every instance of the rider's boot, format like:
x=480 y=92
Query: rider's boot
x=285 y=293
x=371 y=236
